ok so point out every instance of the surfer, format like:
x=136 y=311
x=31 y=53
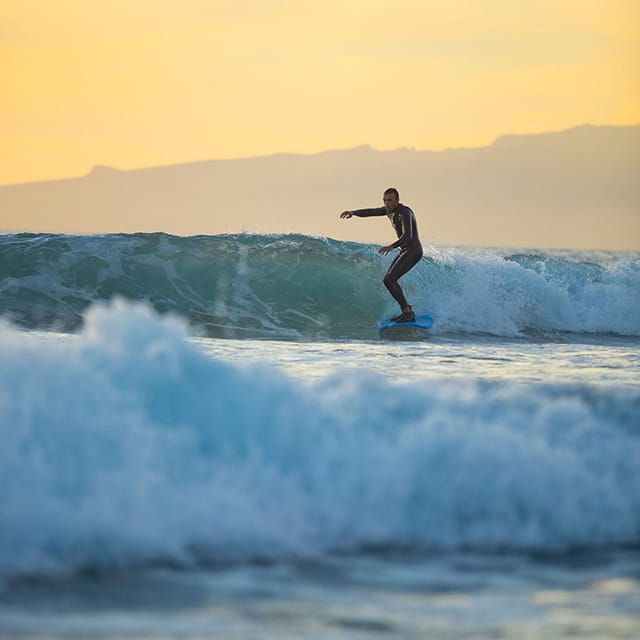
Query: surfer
x=406 y=228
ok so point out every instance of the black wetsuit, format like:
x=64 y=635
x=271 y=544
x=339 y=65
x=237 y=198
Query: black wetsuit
x=406 y=228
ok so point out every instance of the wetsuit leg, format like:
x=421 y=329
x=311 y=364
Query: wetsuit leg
x=402 y=263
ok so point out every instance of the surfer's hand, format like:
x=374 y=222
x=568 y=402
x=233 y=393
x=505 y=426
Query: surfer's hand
x=346 y=214
x=384 y=250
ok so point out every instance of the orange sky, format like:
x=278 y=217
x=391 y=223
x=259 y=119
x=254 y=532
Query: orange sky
x=132 y=83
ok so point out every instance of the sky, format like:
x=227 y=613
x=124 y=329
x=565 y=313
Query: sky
x=138 y=83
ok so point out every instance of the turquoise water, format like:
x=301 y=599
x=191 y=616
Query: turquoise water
x=314 y=480
x=296 y=287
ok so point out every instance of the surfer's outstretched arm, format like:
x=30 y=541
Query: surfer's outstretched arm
x=365 y=213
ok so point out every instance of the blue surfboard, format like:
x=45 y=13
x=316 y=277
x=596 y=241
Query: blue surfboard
x=421 y=322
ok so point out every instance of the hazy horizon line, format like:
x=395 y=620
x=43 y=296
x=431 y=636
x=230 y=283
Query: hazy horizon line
x=105 y=167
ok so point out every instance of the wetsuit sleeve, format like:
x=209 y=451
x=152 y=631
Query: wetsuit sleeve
x=407 y=229
x=368 y=213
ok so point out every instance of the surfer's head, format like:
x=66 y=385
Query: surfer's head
x=391 y=198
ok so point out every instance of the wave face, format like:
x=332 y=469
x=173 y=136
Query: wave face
x=126 y=444
x=294 y=286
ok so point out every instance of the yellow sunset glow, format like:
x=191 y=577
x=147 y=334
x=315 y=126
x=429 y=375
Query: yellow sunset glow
x=133 y=83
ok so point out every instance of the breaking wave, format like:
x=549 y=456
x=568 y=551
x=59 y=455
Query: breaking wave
x=295 y=286
x=126 y=444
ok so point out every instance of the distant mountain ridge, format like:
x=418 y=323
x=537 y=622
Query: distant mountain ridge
x=577 y=188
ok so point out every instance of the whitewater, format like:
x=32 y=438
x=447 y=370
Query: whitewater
x=207 y=437
x=301 y=287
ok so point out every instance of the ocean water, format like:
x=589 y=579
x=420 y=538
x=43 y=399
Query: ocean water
x=207 y=438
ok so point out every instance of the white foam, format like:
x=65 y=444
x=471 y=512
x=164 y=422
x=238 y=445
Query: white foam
x=128 y=444
x=482 y=291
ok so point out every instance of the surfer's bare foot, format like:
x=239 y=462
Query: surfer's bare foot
x=406 y=316
x=405 y=310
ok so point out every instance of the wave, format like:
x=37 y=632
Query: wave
x=126 y=444
x=295 y=286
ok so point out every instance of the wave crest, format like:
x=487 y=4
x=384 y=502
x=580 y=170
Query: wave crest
x=294 y=286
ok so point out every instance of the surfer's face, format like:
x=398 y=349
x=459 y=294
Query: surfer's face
x=390 y=201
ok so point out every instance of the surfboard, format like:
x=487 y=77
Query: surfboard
x=424 y=322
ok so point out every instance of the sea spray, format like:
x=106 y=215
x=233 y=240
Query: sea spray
x=126 y=445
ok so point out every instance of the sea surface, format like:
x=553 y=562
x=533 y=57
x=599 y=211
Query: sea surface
x=207 y=437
